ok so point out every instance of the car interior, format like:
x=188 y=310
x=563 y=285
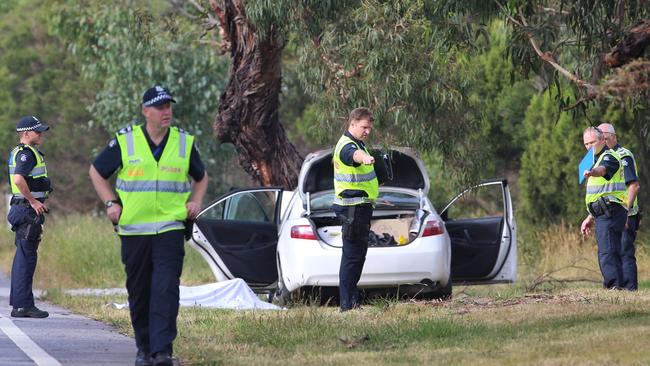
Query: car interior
x=475 y=245
x=475 y=223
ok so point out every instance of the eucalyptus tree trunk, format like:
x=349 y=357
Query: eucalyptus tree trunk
x=248 y=115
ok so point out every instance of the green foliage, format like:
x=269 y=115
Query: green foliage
x=389 y=56
x=549 y=174
x=499 y=98
x=127 y=49
x=37 y=77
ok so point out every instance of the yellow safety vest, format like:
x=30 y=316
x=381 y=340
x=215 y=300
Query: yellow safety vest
x=623 y=153
x=614 y=189
x=153 y=193
x=347 y=177
x=39 y=171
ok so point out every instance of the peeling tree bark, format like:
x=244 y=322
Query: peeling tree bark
x=248 y=115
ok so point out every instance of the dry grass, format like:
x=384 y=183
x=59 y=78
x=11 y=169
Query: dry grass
x=563 y=255
x=478 y=327
x=559 y=323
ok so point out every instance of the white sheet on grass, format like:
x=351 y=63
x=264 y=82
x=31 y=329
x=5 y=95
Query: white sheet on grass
x=231 y=294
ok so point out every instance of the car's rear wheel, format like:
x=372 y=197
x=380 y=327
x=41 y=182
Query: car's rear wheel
x=427 y=290
x=282 y=295
x=444 y=293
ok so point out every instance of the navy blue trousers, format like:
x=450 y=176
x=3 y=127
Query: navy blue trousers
x=153 y=266
x=630 y=281
x=22 y=270
x=353 y=255
x=609 y=231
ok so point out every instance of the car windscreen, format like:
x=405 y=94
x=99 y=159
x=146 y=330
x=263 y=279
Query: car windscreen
x=386 y=200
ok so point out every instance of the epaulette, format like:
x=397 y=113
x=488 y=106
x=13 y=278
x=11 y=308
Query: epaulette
x=180 y=130
x=124 y=130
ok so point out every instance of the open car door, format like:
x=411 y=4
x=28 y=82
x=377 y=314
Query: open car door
x=481 y=225
x=238 y=235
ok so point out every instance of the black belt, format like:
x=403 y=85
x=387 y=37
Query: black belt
x=602 y=206
x=21 y=201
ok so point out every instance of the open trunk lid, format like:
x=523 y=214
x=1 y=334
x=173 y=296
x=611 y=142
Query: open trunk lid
x=398 y=167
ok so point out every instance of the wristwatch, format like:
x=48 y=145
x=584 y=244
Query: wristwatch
x=110 y=203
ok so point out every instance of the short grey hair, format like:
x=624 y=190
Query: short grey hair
x=595 y=130
x=607 y=127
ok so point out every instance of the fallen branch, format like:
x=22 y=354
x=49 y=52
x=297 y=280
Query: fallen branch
x=548 y=277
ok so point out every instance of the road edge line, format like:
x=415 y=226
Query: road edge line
x=26 y=344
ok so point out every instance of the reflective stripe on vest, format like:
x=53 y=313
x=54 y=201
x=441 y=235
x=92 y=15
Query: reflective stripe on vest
x=355 y=178
x=623 y=153
x=153 y=193
x=152 y=185
x=614 y=189
x=362 y=178
x=150 y=227
x=38 y=171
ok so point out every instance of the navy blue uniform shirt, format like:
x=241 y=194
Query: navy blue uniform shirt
x=347 y=152
x=25 y=162
x=609 y=162
x=110 y=159
x=628 y=168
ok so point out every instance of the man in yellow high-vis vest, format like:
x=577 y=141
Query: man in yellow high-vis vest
x=30 y=187
x=630 y=172
x=607 y=206
x=355 y=188
x=161 y=183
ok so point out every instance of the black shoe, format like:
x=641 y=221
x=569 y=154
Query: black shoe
x=143 y=359
x=32 y=312
x=163 y=359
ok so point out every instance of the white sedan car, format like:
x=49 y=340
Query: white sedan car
x=286 y=241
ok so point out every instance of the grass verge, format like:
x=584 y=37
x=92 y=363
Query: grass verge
x=573 y=326
x=566 y=319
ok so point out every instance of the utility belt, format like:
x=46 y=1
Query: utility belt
x=23 y=201
x=602 y=206
x=19 y=201
x=355 y=221
x=24 y=220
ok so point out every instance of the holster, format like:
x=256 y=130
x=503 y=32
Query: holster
x=33 y=231
x=189 y=224
x=356 y=224
x=600 y=207
x=347 y=223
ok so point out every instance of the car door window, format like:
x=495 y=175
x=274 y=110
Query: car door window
x=480 y=235
x=241 y=228
x=245 y=206
x=479 y=202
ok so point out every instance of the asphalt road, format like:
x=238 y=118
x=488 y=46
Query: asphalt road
x=61 y=339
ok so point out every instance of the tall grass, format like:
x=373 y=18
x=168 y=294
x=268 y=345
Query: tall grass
x=83 y=251
x=562 y=252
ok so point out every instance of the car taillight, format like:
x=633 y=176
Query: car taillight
x=303 y=232
x=433 y=227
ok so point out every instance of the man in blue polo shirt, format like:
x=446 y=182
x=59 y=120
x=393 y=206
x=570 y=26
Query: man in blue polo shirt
x=607 y=207
x=30 y=186
x=630 y=281
x=356 y=188
x=161 y=182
